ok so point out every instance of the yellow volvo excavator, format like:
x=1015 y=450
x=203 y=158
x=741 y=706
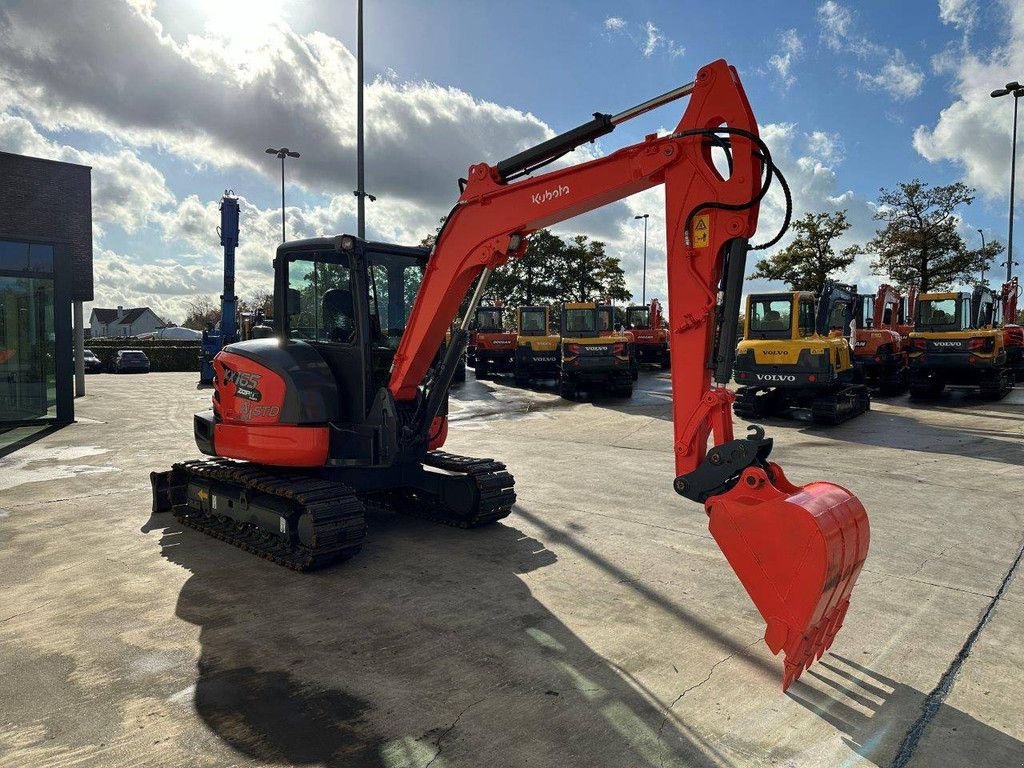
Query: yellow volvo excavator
x=796 y=354
x=537 y=346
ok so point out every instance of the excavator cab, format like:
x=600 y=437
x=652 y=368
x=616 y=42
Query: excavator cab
x=646 y=330
x=795 y=354
x=537 y=346
x=878 y=348
x=594 y=356
x=957 y=342
x=494 y=345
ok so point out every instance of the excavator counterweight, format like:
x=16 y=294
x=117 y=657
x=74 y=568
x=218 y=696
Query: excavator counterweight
x=347 y=405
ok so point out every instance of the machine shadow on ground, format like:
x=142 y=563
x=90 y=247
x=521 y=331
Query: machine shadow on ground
x=874 y=713
x=15 y=438
x=427 y=646
x=892 y=431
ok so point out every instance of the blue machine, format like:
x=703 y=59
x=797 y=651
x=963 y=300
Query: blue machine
x=214 y=339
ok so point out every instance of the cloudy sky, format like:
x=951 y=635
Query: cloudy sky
x=173 y=101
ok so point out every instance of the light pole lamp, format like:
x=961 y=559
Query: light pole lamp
x=282 y=153
x=1016 y=90
x=643 y=299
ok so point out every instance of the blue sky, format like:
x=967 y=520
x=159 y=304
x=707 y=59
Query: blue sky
x=172 y=101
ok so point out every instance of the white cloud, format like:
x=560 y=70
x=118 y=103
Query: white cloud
x=654 y=39
x=898 y=77
x=959 y=13
x=647 y=36
x=973 y=131
x=792 y=49
x=215 y=107
x=127 y=191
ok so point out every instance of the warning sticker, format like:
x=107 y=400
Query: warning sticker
x=701 y=231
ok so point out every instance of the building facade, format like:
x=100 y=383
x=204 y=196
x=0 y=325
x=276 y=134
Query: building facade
x=45 y=275
x=120 y=322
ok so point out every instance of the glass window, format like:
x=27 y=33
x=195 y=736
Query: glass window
x=531 y=322
x=604 y=319
x=28 y=381
x=638 y=318
x=838 y=319
x=13 y=256
x=578 y=321
x=771 y=316
x=394 y=283
x=806 y=318
x=488 y=320
x=40 y=258
x=937 y=314
x=326 y=309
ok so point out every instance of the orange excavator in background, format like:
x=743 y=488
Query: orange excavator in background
x=647 y=328
x=1013 y=333
x=878 y=349
x=347 y=404
x=907 y=315
x=493 y=344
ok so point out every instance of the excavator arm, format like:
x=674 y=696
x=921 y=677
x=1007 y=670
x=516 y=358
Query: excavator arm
x=797 y=550
x=887 y=296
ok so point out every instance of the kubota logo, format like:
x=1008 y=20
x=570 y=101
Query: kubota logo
x=776 y=377
x=550 y=194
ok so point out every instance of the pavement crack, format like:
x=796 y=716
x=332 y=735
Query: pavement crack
x=26 y=613
x=933 y=703
x=695 y=686
x=448 y=730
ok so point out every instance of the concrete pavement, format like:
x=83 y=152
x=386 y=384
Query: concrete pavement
x=598 y=625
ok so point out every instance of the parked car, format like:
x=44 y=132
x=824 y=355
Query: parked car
x=91 y=362
x=131 y=361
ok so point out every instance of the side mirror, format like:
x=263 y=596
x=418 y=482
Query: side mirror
x=294 y=302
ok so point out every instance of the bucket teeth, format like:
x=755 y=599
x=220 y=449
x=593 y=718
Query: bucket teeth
x=813 y=644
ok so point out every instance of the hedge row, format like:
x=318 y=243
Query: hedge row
x=164 y=355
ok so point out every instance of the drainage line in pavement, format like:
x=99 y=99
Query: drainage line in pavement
x=938 y=695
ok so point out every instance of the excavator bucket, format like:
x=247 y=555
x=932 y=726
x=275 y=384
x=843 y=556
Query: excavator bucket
x=797 y=550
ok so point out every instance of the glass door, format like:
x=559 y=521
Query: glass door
x=28 y=382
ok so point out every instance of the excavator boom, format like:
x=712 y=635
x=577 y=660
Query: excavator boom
x=797 y=549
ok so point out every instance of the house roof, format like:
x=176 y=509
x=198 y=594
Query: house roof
x=109 y=316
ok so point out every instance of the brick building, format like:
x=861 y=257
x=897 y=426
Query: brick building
x=45 y=275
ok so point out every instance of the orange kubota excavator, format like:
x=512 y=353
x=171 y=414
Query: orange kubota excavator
x=346 y=405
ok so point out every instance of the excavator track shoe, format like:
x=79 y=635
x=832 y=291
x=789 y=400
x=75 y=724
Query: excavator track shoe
x=318 y=522
x=494 y=492
x=798 y=551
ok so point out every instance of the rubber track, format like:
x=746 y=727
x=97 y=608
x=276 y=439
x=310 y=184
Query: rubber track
x=338 y=515
x=495 y=487
x=842 y=405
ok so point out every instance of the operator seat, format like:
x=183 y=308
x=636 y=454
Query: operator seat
x=339 y=315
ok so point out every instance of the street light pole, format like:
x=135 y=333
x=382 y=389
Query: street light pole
x=360 y=193
x=644 y=216
x=1017 y=91
x=282 y=153
x=984 y=261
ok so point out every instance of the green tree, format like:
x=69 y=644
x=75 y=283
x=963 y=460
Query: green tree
x=584 y=272
x=529 y=280
x=919 y=244
x=807 y=262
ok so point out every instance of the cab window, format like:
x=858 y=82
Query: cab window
x=326 y=311
x=770 y=317
x=638 y=318
x=531 y=322
x=805 y=319
x=488 y=320
x=580 y=321
x=939 y=314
